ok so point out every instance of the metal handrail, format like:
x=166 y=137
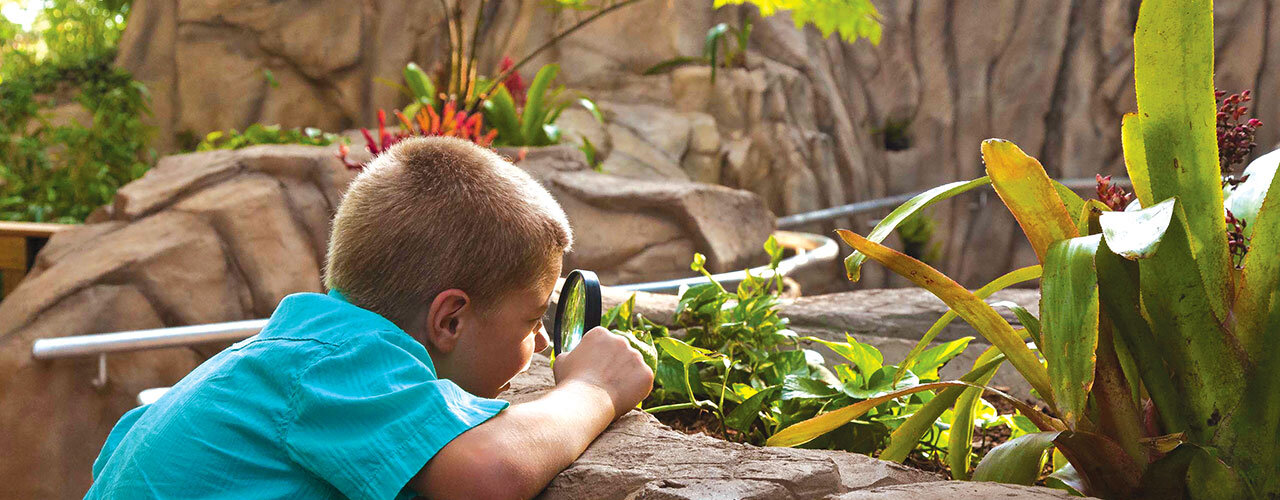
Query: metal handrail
x=138 y=340
x=820 y=249
x=826 y=214
x=810 y=249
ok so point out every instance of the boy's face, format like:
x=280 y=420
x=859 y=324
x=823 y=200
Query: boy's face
x=495 y=345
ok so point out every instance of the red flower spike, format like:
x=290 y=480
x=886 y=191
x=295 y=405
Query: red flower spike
x=514 y=83
x=370 y=144
x=1114 y=197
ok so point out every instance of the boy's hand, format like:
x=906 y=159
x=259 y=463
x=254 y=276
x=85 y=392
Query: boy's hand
x=609 y=363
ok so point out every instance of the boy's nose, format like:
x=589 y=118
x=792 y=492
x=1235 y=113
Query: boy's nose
x=540 y=339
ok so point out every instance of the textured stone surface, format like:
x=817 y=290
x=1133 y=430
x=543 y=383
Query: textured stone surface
x=802 y=125
x=631 y=230
x=638 y=457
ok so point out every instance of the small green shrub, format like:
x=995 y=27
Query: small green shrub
x=60 y=172
x=739 y=361
x=265 y=134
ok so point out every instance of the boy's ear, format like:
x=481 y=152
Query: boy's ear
x=441 y=329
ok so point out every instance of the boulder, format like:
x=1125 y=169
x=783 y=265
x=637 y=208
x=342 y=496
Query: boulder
x=638 y=457
x=808 y=122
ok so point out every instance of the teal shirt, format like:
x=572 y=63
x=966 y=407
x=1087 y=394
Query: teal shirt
x=328 y=401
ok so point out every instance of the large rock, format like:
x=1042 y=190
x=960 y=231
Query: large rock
x=224 y=235
x=807 y=123
x=630 y=230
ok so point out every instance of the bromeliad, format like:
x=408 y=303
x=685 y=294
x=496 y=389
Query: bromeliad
x=1157 y=350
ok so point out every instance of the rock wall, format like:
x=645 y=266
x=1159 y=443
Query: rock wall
x=808 y=123
x=224 y=235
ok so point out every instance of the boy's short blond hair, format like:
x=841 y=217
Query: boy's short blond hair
x=436 y=213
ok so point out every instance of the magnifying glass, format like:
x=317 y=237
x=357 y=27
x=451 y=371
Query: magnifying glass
x=578 y=310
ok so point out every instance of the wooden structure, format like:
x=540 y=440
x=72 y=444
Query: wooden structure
x=19 y=243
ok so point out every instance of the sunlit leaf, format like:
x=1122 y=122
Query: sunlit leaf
x=1007 y=280
x=1029 y=194
x=811 y=429
x=1069 y=309
x=1135 y=158
x=1016 y=461
x=886 y=226
x=1137 y=235
x=1173 y=70
x=977 y=313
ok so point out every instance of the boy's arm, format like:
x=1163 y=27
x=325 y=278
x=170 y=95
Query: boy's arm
x=517 y=452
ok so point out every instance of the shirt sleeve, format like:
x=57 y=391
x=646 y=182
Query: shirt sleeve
x=369 y=416
x=113 y=439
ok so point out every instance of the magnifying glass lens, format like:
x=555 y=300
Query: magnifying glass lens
x=573 y=322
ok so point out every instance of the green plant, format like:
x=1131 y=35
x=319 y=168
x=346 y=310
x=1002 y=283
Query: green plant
x=716 y=44
x=532 y=122
x=738 y=361
x=1157 y=357
x=60 y=171
x=52 y=167
x=851 y=19
x=265 y=134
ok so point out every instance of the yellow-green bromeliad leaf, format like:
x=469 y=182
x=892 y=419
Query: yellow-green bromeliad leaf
x=973 y=310
x=1026 y=189
x=1069 y=322
x=1173 y=74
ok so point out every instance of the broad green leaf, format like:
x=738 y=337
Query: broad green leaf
x=1135 y=158
x=796 y=387
x=960 y=436
x=808 y=430
x=1190 y=471
x=1137 y=235
x=1118 y=286
x=647 y=351
x=533 y=116
x=1007 y=280
x=1029 y=194
x=1201 y=354
x=682 y=352
x=1246 y=198
x=1069 y=309
x=1016 y=461
x=1173 y=73
x=968 y=306
x=1261 y=274
x=420 y=84
x=930 y=361
x=500 y=113
x=886 y=226
x=867 y=359
x=746 y=413
x=907 y=436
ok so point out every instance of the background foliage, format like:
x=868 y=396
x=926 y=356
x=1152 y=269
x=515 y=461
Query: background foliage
x=53 y=167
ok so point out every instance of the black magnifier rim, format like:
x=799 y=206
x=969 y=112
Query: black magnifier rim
x=591 y=309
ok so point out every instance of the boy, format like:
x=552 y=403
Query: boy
x=441 y=262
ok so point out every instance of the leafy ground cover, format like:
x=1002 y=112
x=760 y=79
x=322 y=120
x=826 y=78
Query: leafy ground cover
x=731 y=367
